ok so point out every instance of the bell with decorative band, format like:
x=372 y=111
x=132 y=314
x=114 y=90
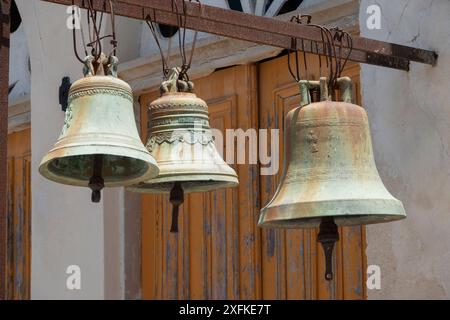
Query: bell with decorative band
x=329 y=178
x=99 y=145
x=180 y=139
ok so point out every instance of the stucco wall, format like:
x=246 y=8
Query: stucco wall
x=409 y=115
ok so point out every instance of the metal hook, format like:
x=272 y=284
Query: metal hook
x=297 y=75
x=181 y=23
x=113 y=27
x=182 y=19
x=149 y=21
x=95 y=40
x=74 y=34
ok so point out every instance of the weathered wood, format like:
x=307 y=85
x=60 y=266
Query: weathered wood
x=19 y=215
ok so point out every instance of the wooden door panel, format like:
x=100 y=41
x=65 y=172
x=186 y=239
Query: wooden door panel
x=19 y=215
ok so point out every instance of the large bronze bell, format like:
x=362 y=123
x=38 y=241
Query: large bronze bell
x=99 y=144
x=181 y=141
x=329 y=178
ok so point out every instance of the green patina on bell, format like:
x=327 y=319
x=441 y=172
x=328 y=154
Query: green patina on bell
x=329 y=178
x=99 y=145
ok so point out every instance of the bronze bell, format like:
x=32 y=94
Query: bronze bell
x=329 y=178
x=181 y=141
x=99 y=144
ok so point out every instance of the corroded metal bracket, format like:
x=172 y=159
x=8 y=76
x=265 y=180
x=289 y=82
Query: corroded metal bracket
x=305 y=90
x=103 y=66
x=344 y=85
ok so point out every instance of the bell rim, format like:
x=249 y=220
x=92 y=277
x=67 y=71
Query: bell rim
x=341 y=221
x=286 y=221
x=73 y=151
x=218 y=182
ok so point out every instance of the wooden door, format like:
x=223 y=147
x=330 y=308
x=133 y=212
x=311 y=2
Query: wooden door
x=19 y=215
x=219 y=252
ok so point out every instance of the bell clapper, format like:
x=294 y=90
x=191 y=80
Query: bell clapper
x=176 y=199
x=96 y=182
x=328 y=235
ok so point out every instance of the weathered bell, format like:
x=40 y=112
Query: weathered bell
x=329 y=168
x=180 y=139
x=99 y=144
x=329 y=178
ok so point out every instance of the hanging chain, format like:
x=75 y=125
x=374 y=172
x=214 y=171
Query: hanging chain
x=164 y=60
x=74 y=34
x=294 y=49
x=340 y=36
x=181 y=16
x=94 y=25
x=186 y=61
x=332 y=41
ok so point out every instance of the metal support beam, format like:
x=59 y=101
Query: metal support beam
x=4 y=85
x=262 y=30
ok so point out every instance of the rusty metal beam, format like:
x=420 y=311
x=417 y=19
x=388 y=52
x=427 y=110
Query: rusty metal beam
x=271 y=25
x=4 y=86
x=262 y=30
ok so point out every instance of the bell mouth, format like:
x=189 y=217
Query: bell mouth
x=77 y=170
x=114 y=170
x=344 y=212
x=75 y=166
x=342 y=221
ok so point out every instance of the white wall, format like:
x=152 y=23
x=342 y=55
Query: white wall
x=409 y=113
x=67 y=229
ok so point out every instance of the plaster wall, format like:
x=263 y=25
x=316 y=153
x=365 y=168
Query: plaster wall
x=409 y=114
